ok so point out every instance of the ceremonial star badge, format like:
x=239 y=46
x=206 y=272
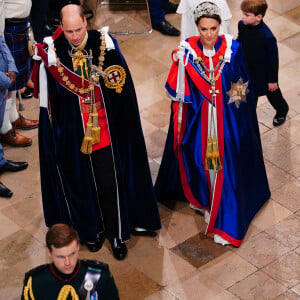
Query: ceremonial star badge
x=238 y=92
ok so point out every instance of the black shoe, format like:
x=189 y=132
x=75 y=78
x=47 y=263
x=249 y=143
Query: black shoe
x=94 y=247
x=171 y=8
x=13 y=166
x=118 y=248
x=279 y=118
x=143 y=233
x=166 y=28
x=4 y=191
x=27 y=93
x=29 y=89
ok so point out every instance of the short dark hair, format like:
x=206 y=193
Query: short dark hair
x=256 y=7
x=61 y=235
x=80 y=11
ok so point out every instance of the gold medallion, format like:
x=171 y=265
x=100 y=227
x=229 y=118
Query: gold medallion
x=115 y=78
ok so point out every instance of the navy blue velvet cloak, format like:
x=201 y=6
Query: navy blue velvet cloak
x=68 y=188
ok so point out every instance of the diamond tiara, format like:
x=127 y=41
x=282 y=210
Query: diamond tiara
x=206 y=8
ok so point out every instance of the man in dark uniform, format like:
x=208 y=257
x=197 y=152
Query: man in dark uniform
x=68 y=277
x=95 y=174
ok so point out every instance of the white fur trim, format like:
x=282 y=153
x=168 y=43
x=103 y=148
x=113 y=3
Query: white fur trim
x=51 y=52
x=109 y=44
x=228 y=52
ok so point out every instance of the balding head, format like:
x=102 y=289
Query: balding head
x=73 y=23
x=71 y=10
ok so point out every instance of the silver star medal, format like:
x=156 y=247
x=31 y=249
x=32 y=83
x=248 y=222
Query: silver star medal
x=88 y=285
x=238 y=92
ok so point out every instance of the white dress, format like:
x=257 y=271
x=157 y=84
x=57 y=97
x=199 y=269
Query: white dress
x=188 y=26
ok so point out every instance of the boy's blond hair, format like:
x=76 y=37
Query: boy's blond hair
x=256 y=7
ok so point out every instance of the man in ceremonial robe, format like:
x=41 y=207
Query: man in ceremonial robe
x=213 y=155
x=94 y=168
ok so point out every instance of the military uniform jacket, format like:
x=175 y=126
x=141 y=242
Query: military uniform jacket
x=47 y=283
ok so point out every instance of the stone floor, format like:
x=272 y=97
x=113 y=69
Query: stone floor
x=181 y=262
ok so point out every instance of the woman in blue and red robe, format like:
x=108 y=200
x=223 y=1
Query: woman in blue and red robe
x=213 y=154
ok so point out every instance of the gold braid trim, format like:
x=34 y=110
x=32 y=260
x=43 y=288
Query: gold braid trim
x=92 y=132
x=28 y=290
x=83 y=64
x=212 y=155
x=87 y=142
x=69 y=83
x=65 y=291
x=95 y=128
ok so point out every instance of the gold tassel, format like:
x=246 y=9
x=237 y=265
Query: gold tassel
x=87 y=143
x=96 y=135
x=208 y=154
x=96 y=127
x=82 y=75
x=215 y=154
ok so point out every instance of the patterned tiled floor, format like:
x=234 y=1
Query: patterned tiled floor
x=181 y=262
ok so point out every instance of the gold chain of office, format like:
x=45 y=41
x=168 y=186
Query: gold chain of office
x=80 y=63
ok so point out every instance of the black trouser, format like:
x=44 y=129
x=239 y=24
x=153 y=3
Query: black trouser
x=157 y=10
x=39 y=15
x=277 y=101
x=107 y=189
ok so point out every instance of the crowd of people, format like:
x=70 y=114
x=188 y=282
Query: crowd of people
x=95 y=176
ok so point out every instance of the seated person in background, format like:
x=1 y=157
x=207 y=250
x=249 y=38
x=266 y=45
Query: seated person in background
x=8 y=71
x=15 y=32
x=68 y=277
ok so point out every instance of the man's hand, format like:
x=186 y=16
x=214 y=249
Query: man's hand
x=272 y=86
x=12 y=76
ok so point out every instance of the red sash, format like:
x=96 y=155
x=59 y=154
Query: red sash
x=85 y=107
x=204 y=87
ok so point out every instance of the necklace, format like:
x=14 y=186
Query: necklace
x=95 y=78
x=212 y=154
x=203 y=69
